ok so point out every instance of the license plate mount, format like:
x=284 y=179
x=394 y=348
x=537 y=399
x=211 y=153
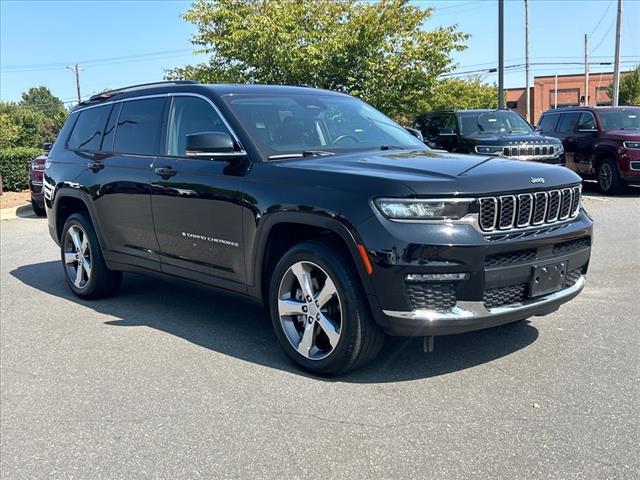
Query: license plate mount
x=547 y=278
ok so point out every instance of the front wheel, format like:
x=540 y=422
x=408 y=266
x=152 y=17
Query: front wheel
x=85 y=270
x=319 y=310
x=609 y=178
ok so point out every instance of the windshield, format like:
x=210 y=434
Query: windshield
x=493 y=122
x=280 y=124
x=624 y=119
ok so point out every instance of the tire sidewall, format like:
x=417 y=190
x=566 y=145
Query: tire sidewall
x=84 y=223
x=351 y=322
x=616 y=181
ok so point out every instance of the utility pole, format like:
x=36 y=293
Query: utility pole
x=586 y=70
x=555 y=97
x=76 y=69
x=616 y=65
x=500 y=53
x=526 y=59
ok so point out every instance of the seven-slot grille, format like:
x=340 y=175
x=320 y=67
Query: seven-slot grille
x=528 y=151
x=508 y=212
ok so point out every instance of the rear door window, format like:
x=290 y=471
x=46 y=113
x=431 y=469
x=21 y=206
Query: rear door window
x=548 y=122
x=139 y=125
x=110 y=129
x=568 y=122
x=89 y=129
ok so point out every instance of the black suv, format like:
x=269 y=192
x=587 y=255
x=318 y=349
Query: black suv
x=601 y=143
x=488 y=132
x=315 y=204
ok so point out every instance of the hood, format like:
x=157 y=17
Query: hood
x=511 y=139
x=429 y=173
x=624 y=134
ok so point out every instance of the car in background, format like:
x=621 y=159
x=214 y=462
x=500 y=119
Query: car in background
x=36 y=170
x=601 y=143
x=488 y=132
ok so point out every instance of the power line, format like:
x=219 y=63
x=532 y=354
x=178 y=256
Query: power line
x=103 y=61
x=601 y=18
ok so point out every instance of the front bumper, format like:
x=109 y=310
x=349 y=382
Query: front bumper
x=469 y=316
x=497 y=271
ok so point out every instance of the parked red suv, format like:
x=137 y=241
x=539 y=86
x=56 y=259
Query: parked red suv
x=601 y=143
x=36 y=169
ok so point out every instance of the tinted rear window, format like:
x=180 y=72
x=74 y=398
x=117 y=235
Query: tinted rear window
x=89 y=128
x=548 y=122
x=139 y=124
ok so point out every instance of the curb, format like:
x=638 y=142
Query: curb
x=23 y=211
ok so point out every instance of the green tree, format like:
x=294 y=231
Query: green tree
x=629 y=91
x=459 y=93
x=10 y=132
x=40 y=99
x=378 y=51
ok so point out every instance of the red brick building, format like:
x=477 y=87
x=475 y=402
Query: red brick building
x=570 y=92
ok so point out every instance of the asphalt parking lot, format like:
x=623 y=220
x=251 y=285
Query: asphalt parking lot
x=168 y=380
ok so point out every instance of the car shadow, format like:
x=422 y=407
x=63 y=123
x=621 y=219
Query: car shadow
x=26 y=211
x=233 y=326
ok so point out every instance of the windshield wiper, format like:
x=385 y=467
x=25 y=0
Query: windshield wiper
x=391 y=147
x=304 y=153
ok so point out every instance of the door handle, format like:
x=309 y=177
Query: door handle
x=95 y=165
x=165 y=172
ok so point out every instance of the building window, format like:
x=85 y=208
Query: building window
x=512 y=105
x=567 y=97
x=602 y=97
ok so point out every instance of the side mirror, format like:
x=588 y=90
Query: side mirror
x=47 y=147
x=537 y=128
x=212 y=144
x=446 y=132
x=415 y=132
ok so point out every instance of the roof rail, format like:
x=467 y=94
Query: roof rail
x=110 y=93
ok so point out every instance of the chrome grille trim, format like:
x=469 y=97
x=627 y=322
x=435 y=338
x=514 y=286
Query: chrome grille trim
x=525 y=210
x=540 y=208
x=525 y=202
x=566 y=199
x=507 y=204
x=528 y=150
x=553 y=208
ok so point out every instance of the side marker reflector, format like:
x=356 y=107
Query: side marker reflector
x=365 y=259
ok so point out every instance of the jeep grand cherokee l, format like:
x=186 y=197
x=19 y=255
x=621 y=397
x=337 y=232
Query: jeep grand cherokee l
x=315 y=204
x=601 y=143
x=488 y=132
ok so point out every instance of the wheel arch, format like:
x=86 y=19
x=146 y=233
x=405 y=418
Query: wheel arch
x=605 y=152
x=69 y=201
x=281 y=230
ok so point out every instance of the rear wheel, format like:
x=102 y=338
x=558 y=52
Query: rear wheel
x=609 y=178
x=85 y=270
x=319 y=311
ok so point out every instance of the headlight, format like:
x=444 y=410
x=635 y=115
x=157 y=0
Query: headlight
x=558 y=148
x=401 y=209
x=631 y=144
x=488 y=149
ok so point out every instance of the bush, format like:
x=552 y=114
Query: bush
x=14 y=167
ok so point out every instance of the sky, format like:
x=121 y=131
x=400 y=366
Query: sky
x=120 y=43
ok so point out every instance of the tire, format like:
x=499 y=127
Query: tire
x=95 y=280
x=343 y=334
x=38 y=210
x=609 y=179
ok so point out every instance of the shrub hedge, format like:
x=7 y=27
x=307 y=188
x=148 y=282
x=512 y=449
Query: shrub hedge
x=14 y=167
